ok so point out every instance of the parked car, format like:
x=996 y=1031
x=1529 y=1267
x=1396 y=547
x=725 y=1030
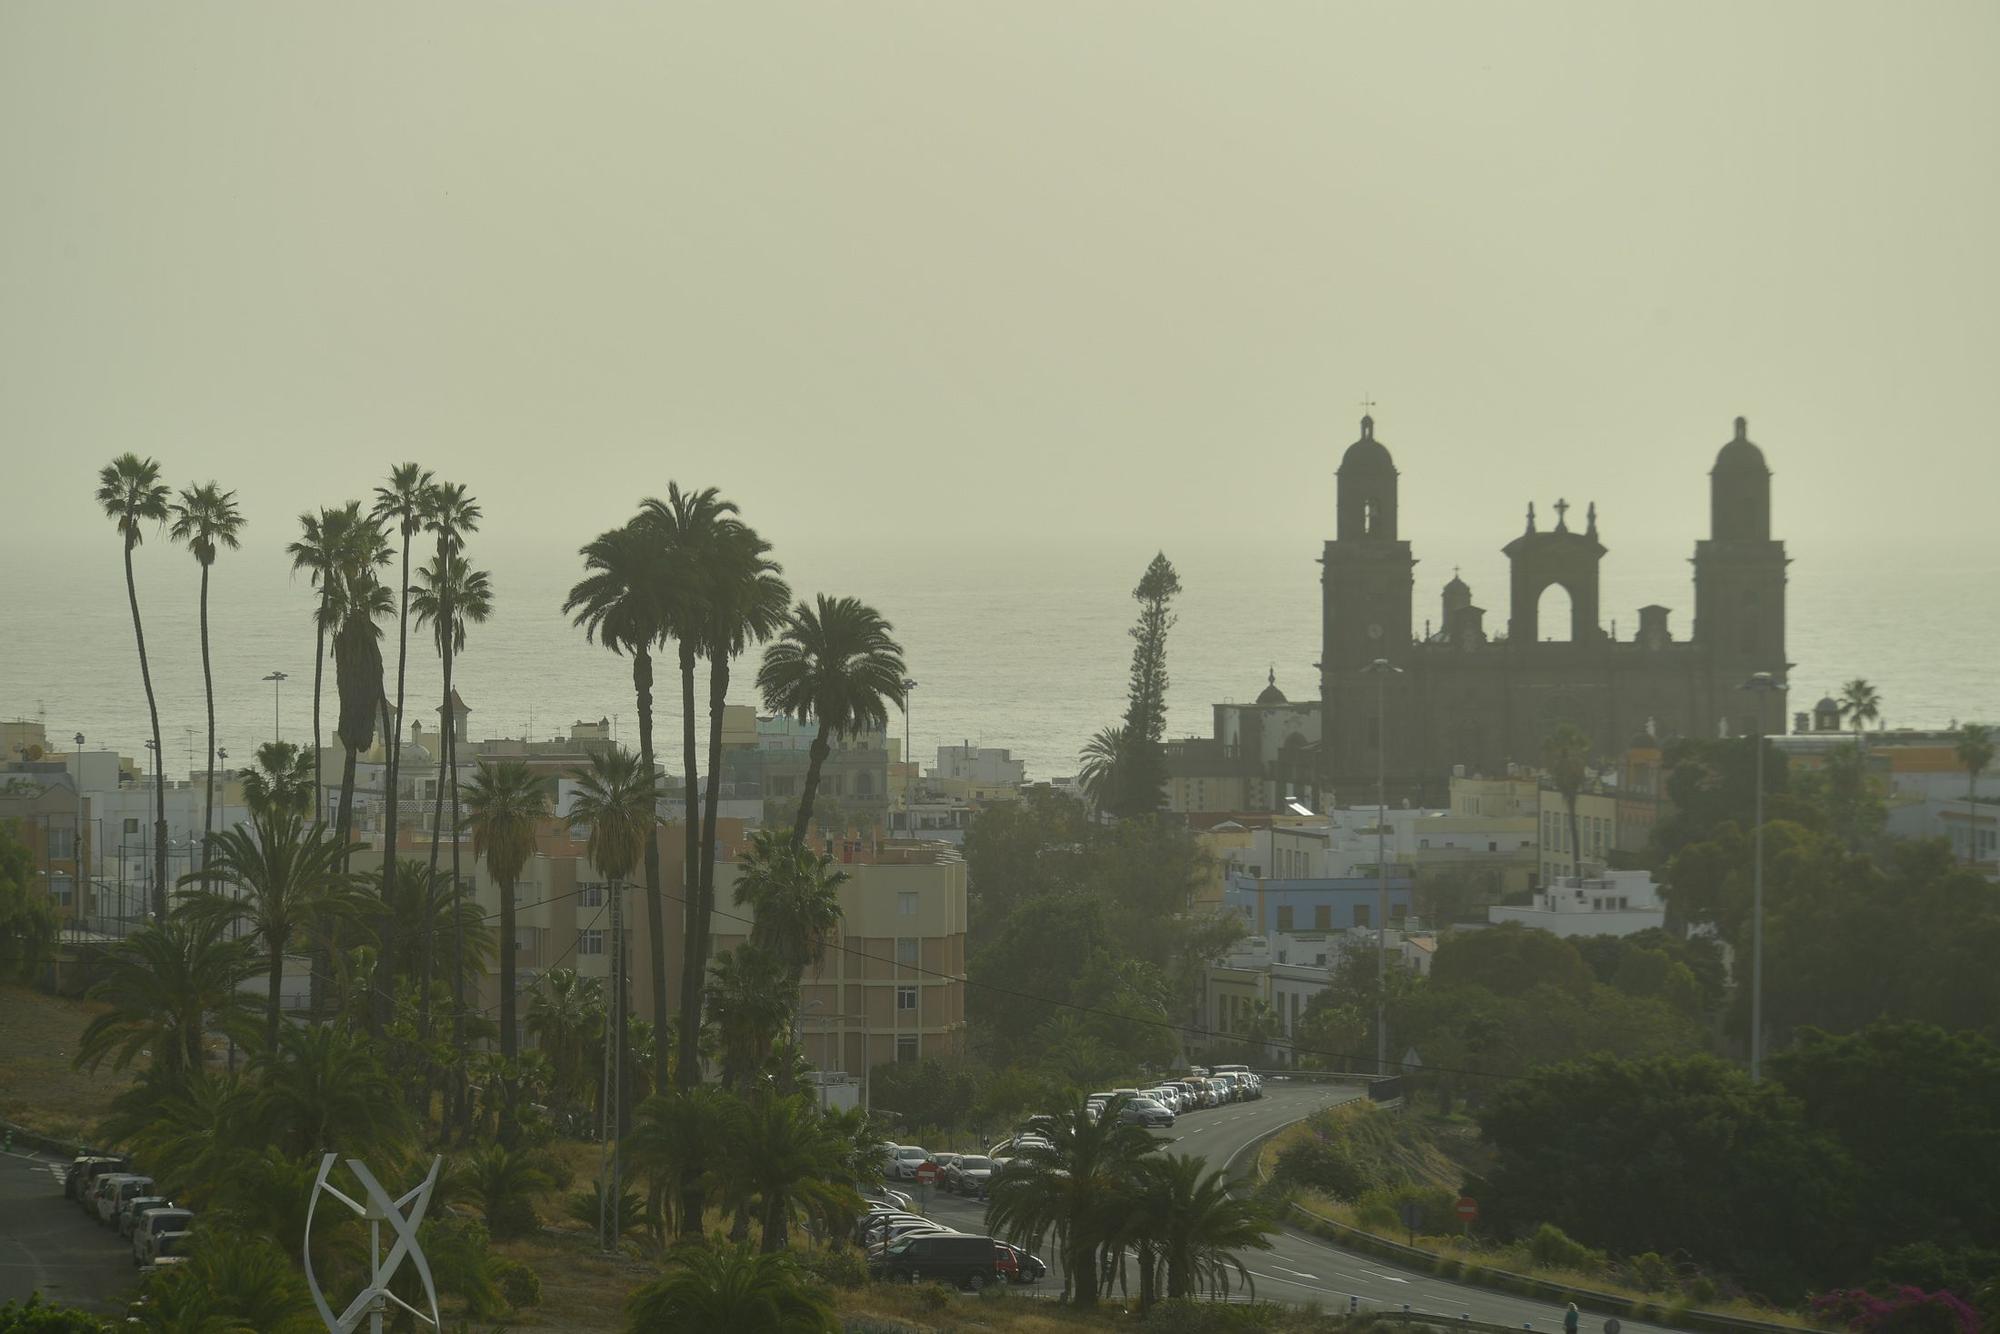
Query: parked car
x=885 y=1195
x=877 y=1226
x=909 y=1157
x=87 y=1167
x=879 y=1245
x=112 y=1198
x=154 y=1224
x=1144 y=1112
x=969 y=1175
x=169 y=1249
x=1016 y=1265
x=948 y=1257
x=129 y=1212
x=95 y=1191
x=944 y=1162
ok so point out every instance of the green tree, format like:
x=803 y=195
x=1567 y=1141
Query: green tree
x=206 y=520
x=675 y=1133
x=1565 y=756
x=1975 y=752
x=730 y=1288
x=281 y=782
x=835 y=662
x=131 y=493
x=1099 y=768
x=1073 y=1192
x=166 y=987
x=358 y=603
x=282 y=876
x=505 y=804
x=27 y=922
x=323 y=1088
x=621 y=602
x=450 y=595
x=403 y=504
x=565 y=1011
x=1195 y=1228
x=505 y=1184
x=1141 y=766
x=750 y=1008
x=794 y=894
x=785 y=1153
x=1860 y=704
x=231 y=1284
x=618 y=801
x=1654 y=1155
x=321 y=551
x=1509 y=959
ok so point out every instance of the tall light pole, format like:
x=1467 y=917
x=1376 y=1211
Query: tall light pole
x=277 y=679
x=82 y=864
x=910 y=764
x=1762 y=684
x=1382 y=669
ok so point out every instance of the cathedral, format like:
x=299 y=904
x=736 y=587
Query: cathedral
x=1464 y=695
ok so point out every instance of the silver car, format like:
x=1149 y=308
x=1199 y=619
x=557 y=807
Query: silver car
x=154 y=1224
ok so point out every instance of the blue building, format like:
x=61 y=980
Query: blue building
x=1272 y=906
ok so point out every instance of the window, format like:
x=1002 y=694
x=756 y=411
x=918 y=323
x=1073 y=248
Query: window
x=589 y=941
x=59 y=890
x=62 y=843
x=1323 y=917
x=906 y=951
x=906 y=998
x=590 y=895
x=1361 y=914
x=906 y=903
x=524 y=940
x=131 y=824
x=906 y=1049
x=1285 y=918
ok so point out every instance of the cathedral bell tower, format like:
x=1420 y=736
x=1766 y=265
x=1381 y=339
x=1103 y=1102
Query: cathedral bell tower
x=1367 y=576
x=1739 y=590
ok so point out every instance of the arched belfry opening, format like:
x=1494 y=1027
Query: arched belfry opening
x=1367 y=486
x=1553 y=588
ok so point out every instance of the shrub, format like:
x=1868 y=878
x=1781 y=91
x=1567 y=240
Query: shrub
x=1552 y=1248
x=1702 y=1290
x=32 y=1317
x=837 y=1268
x=1183 y=1316
x=1324 y=1165
x=934 y=1296
x=1648 y=1272
x=1907 y=1310
x=520 y=1285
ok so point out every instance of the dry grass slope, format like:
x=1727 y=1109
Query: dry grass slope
x=38 y=1088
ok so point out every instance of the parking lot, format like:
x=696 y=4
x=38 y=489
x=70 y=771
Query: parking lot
x=47 y=1245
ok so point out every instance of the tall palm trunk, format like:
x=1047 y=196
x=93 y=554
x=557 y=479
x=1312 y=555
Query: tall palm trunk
x=509 y=1039
x=457 y=902
x=159 y=754
x=208 y=692
x=275 y=1000
x=319 y=685
x=430 y=892
x=384 y=1009
x=821 y=748
x=693 y=946
x=718 y=693
x=1575 y=838
x=343 y=821
x=656 y=917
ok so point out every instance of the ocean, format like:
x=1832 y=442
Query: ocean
x=1022 y=647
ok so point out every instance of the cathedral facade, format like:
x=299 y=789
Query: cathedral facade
x=1484 y=698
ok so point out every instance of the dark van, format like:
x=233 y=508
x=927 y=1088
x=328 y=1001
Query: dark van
x=939 y=1257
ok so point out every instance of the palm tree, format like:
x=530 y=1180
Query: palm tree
x=620 y=602
x=404 y=502
x=794 y=894
x=504 y=805
x=322 y=1087
x=449 y=596
x=425 y=910
x=359 y=602
x=505 y=1183
x=731 y=1288
x=1860 y=703
x=673 y=1132
x=1099 y=770
x=281 y=781
x=618 y=800
x=1565 y=753
x=835 y=662
x=688 y=530
x=206 y=519
x=323 y=552
x=1194 y=1227
x=284 y=876
x=130 y=490
x=1975 y=752
x=565 y=1011
x=1071 y=1189
x=167 y=985
x=750 y=1008
x=787 y=1157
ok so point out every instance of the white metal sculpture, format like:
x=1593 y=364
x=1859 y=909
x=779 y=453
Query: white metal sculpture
x=403 y=1217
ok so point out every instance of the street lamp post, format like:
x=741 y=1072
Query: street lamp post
x=910 y=767
x=276 y=679
x=1761 y=684
x=1381 y=669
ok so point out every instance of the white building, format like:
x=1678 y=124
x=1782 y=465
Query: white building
x=1616 y=903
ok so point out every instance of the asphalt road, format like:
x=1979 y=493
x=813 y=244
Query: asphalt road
x=1299 y=1267
x=48 y=1245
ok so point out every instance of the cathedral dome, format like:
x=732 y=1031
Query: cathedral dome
x=1367 y=453
x=1739 y=455
x=1270 y=693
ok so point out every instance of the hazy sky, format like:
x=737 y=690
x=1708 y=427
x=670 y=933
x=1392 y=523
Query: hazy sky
x=1008 y=271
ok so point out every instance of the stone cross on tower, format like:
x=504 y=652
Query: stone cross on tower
x=1562 y=513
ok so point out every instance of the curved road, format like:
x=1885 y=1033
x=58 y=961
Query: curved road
x=47 y=1245
x=1299 y=1267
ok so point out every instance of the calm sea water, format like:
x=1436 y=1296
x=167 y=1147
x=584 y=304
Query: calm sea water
x=1024 y=649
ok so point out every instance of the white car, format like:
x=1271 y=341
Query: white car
x=110 y=1201
x=909 y=1157
x=169 y=1249
x=153 y=1225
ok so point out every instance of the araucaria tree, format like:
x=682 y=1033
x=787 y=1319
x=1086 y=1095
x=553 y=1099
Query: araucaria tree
x=206 y=520
x=1141 y=770
x=130 y=490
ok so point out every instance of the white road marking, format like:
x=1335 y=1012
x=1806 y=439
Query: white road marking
x=1376 y=1273
x=1300 y=1273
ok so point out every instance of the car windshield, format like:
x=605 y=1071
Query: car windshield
x=173 y=1243
x=975 y=1164
x=913 y=1153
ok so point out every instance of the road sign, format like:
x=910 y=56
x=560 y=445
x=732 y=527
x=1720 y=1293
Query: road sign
x=1468 y=1209
x=927 y=1174
x=1412 y=1061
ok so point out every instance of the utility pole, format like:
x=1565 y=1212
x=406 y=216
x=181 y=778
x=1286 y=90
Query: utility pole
x=910 y=767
